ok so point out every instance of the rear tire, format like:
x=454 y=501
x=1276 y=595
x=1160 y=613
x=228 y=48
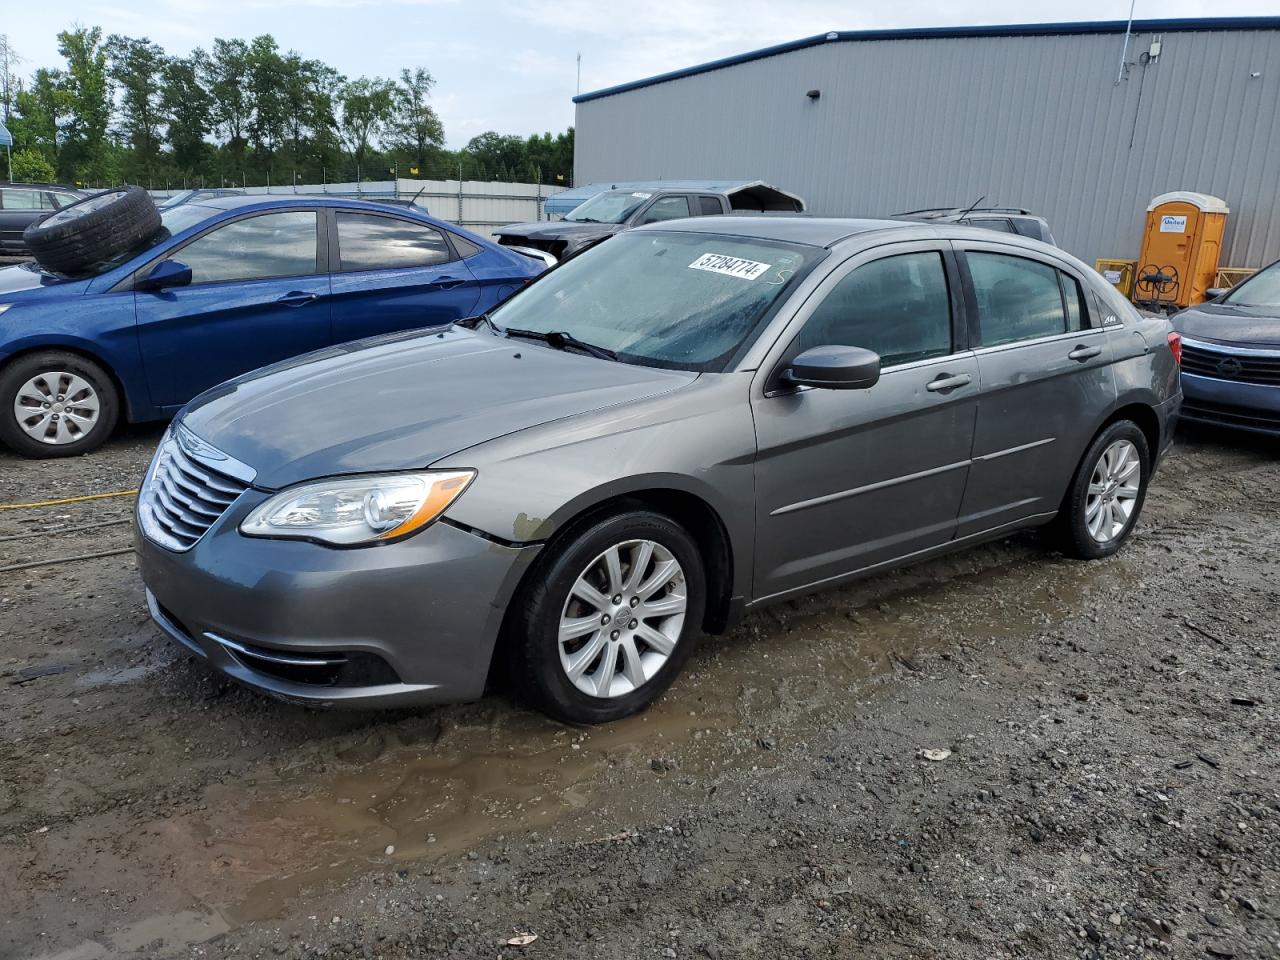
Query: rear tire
x=609 y=617
x=56 y=404
x=93 y=230
x=1106 y=495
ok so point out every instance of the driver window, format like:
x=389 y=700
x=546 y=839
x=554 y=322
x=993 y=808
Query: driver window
x=255 y=248
x=667 y=208
x=899 y=307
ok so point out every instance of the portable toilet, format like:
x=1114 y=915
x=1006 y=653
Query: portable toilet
x=1180 y=249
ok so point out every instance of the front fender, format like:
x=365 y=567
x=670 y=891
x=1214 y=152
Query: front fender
x=698 y=440
x=116 y=351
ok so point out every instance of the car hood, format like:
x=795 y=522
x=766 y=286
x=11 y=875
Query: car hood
x=20 y=282
x=567 y=230
x=405 y=401
x=1228 y=323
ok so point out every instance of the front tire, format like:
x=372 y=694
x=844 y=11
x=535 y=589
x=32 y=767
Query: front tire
x=56 y=404
x=1107 y=492
x=609 y=617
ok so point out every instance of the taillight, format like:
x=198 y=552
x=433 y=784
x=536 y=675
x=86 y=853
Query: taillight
x=1175 y=345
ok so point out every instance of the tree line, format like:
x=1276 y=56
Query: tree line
x=243 y=112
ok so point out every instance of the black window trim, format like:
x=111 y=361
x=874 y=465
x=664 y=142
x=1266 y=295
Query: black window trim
x=335 y=259
x=322 y=249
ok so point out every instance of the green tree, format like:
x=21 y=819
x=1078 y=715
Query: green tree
x=39 y=110
x=496 y=156
x=82 y=155
x=415 y=128
x=31 y=166
x=268 y=118
x=225 y=74
x=367 y=106
x=137 y=67
x=10 y=83
x=187 y=107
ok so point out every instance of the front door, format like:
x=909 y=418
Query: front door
x=848 y=479
x=392 y=273
x=259 y=293
x=1046 y=383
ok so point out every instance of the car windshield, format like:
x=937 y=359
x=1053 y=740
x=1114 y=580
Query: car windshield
x=1260 y=290
x=173 y=220
x=683 y=300
x=613 y=207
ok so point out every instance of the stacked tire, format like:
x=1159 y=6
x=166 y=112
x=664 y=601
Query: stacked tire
x=93 y=230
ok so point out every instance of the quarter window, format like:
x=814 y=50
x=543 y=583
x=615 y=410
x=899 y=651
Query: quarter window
x=899 y=307
x=256 y=248
x=667 y=208
x=367 y=242
x=1018 y=299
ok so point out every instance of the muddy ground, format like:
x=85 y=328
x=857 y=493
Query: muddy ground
x=1112 y=787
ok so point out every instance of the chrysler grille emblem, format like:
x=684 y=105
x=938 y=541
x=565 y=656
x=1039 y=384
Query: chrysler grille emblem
x=1229 y=368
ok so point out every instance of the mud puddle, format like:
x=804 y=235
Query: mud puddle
x=432 y=785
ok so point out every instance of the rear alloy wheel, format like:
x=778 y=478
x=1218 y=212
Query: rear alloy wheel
x=610 y=617
x=55 y=404
x=1107 y=492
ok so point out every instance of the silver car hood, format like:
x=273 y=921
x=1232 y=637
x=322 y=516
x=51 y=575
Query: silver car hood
x=404 y=401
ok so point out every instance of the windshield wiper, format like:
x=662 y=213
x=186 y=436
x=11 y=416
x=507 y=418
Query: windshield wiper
x=584 y=219
x=561 y=340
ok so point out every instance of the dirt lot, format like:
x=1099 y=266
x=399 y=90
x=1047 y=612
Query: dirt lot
x=1112 y=787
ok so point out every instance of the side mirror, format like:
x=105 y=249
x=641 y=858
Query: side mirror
x=835 y=368
x=166 y=273
x=1216 y=293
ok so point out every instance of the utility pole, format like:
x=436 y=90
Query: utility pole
x=579 y=90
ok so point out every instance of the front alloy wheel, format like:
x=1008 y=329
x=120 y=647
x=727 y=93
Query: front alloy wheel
x=55 y=403
x=623 y=618
x=607 y=616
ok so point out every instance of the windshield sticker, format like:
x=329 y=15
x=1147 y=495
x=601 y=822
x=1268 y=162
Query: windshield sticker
x=642 y=196
x=729 y=266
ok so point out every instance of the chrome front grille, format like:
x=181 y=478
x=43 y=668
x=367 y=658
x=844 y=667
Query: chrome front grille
x=1242 y=365
x=182 y=495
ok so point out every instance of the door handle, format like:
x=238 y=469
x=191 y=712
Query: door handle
x=945 y=382
x=446 y=283
x=296 y=298
x=1083 y=353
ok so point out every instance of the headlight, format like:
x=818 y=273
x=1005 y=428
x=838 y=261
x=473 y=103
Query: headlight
x=5 y=306
x=358 y=510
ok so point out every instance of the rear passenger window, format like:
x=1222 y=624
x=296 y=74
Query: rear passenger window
x=709 y=206
x=370 y=242
x=1018 y=299
x=22 y=200
x=899 y=307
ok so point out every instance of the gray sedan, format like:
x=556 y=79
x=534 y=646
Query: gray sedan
x=684 y=424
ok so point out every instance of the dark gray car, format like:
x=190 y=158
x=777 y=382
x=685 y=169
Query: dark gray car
x=22 y=204
x=679 y=426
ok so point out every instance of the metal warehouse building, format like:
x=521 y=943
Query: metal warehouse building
x=1051 y=117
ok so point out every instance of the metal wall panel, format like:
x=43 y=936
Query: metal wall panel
x=1031 y=121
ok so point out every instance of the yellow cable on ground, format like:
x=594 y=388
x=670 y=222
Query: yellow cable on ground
x=54 y=503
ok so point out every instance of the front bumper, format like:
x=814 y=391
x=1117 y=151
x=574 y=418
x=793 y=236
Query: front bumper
x=1254 y=407
x=408 y=623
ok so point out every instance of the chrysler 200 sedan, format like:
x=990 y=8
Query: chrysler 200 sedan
x=681 y=425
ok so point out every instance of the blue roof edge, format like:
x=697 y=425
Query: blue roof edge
x=1183 y=25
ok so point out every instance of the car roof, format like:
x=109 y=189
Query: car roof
x=815 y=231
x=236 y=201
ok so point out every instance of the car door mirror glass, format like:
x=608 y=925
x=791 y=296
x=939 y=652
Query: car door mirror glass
x=834 y=368
x=166 y=273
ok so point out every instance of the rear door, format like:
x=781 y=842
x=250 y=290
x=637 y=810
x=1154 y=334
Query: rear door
x=20 y=206
x=259 y=293
x=1046 y=381
x=394 y=273
x=848 y=479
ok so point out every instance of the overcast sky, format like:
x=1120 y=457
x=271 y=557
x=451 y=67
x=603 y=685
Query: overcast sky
x=510 y=66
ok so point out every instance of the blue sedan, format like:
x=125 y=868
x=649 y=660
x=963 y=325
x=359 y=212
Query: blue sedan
x=228 y=285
